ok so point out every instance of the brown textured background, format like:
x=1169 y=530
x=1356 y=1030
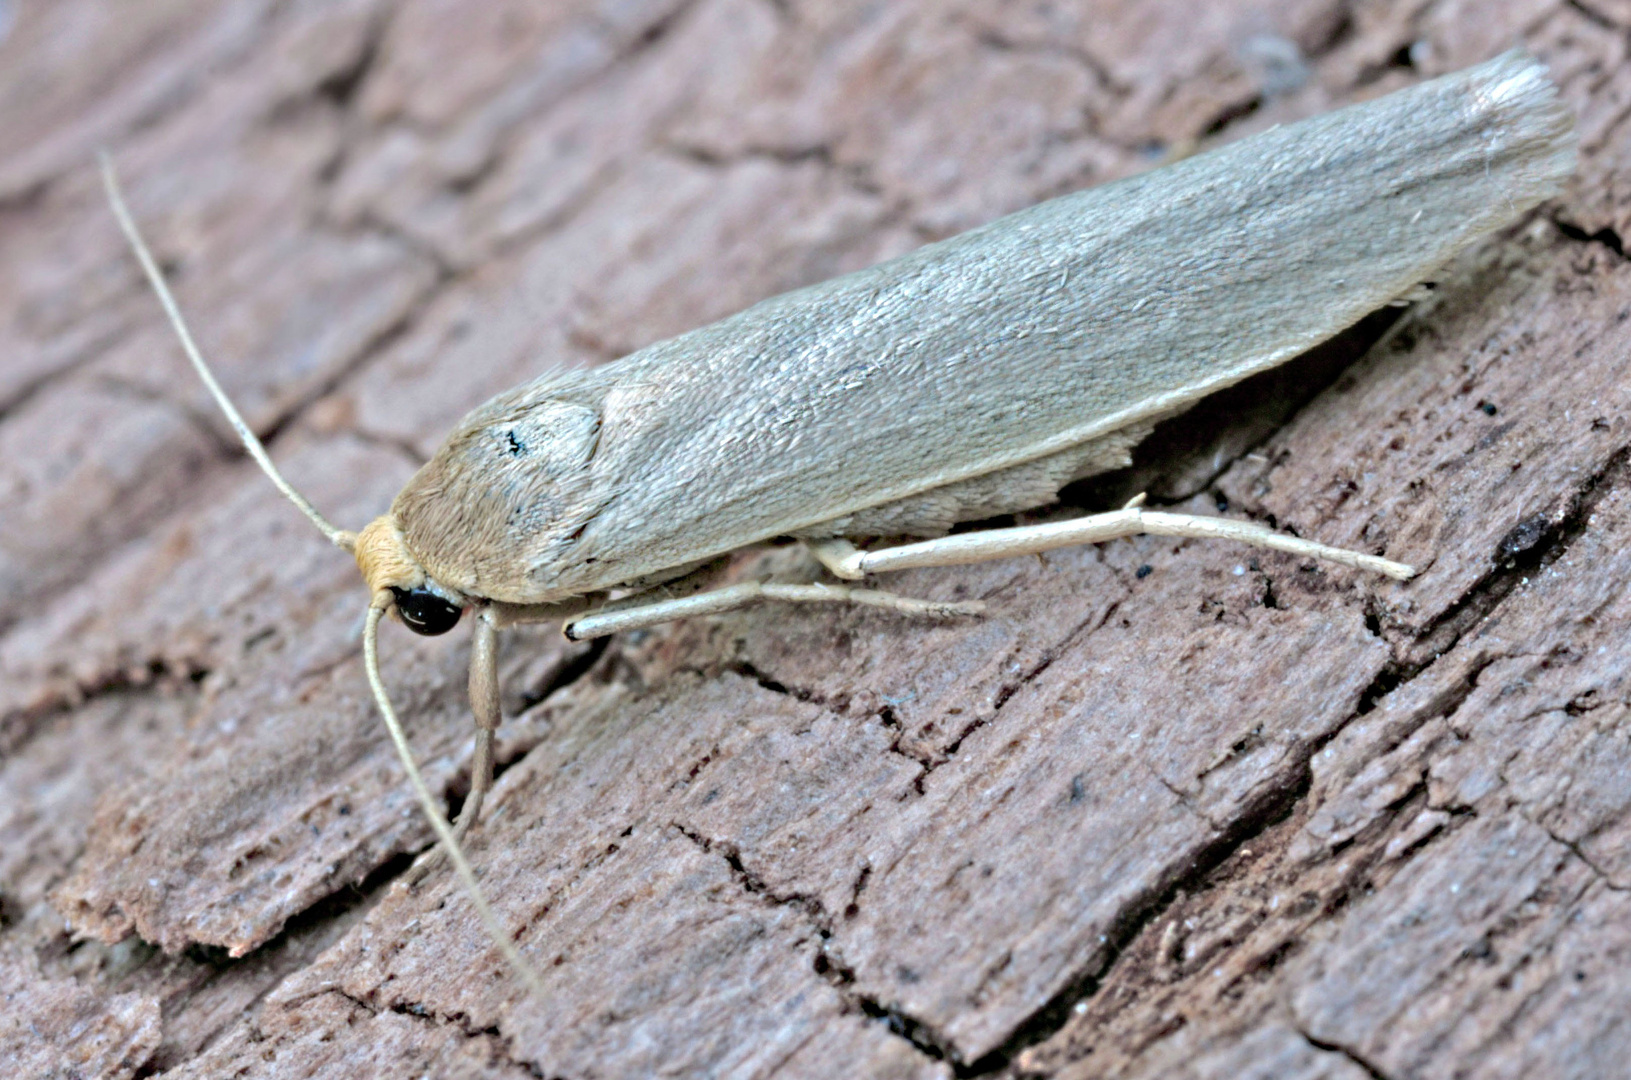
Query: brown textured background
x=1234 y=818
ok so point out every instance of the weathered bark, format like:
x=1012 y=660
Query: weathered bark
x=1173 y=809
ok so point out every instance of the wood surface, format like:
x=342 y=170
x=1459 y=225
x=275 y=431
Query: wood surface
x=1173 y=809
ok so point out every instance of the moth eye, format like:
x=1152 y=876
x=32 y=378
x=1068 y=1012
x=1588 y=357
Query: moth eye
x=424 y=612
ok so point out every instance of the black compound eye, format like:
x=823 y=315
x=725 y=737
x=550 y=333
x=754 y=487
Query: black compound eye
x=424 y=612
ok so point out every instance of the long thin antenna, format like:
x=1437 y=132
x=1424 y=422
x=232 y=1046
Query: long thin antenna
x=433 y=813
x=257 y=450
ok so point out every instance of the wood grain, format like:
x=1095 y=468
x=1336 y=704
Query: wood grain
x=1171 y=810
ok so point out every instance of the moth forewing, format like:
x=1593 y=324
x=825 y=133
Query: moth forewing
x=1025 y=338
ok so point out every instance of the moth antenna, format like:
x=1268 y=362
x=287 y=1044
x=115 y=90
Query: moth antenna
x=338 y=537
x=427 y=803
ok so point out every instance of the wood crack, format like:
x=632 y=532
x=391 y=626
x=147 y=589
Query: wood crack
x=827 y=964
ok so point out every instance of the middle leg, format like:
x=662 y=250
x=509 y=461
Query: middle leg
x=731 y=597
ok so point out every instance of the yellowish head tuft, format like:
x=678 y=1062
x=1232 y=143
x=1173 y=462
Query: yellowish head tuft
x=382 y=556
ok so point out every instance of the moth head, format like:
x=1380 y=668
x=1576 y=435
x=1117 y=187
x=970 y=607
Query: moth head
x=386 y=563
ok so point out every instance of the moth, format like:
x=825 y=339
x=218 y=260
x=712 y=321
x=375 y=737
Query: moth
x=969 y=379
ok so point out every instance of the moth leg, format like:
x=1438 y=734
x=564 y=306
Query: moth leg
x=484 y=706
x=731 y=597
x=837 y=556
x=1130 y=520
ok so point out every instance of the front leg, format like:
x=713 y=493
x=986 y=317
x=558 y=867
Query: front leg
x=485 y=708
